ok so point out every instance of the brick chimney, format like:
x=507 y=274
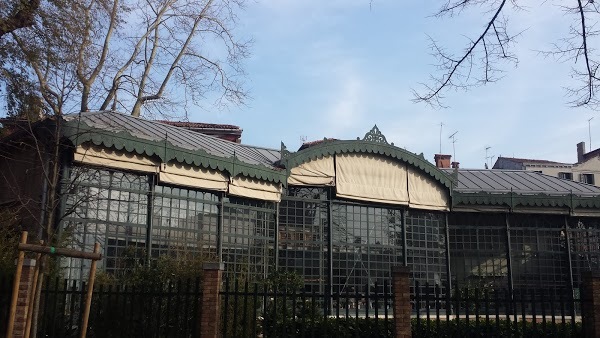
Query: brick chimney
x=580 y=151
x=455 y=165
x=442 y=161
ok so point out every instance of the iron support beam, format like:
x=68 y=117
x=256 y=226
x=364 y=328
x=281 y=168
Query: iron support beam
x=509 y=257
x=404 y=247
x=220 y=217
x=330 y=249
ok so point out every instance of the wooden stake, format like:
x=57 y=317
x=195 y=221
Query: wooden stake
x=90 y=290
x=32 y=293
x=15 y=292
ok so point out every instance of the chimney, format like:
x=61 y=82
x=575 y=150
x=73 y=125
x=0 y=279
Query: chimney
x=455 y=165
x=442 y=161
x=580 y=151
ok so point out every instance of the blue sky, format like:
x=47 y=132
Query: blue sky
x=335 y=68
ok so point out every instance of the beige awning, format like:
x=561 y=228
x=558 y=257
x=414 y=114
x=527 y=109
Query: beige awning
x=252 y=188
x=425 y=193
x=319 y=172
x=106 y=157
x=372 y=178
x=193 y=176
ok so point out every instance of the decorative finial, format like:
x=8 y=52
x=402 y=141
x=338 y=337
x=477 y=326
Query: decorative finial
x=375 y=136
x=284 y=153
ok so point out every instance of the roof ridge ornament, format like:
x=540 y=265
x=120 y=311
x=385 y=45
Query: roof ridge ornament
x=284 y=153
x=375 y=135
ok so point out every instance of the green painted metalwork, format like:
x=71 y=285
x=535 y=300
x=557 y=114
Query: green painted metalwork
x=78 y=133
x=365 y=146
x=513 y=200
x=375 y=135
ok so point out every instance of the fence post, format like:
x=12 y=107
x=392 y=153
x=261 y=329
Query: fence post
x=210 y=310
x=590 y=304
x=402 y=307
x=25 y=285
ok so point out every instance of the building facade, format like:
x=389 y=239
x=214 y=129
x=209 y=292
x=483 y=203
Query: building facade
x=340 y=213
x=586 y=170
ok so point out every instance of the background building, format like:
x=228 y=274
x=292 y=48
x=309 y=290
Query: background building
x=586 y=170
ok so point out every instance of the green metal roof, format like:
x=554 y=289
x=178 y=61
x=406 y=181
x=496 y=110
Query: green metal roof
x=122 y=131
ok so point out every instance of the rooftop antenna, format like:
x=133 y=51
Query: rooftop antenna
x=590 y=131
x=453 y=144
x=441 y=126
x=303 y=138
x=486 y=155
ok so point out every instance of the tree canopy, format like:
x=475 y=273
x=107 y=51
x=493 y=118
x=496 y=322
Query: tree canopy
x=128 y=55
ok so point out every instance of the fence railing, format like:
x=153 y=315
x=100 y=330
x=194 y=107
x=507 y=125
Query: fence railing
x=485 y=312
x=268 y=311
x=153 y=310
x=255 y=310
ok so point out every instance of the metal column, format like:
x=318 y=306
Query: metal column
x=448 y=270
x=570 y=264
x=509 y=257
x=220 y=211
x=276 y=236
x=404 y=246
x=149 y=217
x=330 y=250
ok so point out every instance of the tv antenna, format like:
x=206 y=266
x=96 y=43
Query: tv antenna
x=590 y=131
x=453 y=137
x=486 y=156
x=441 y=126
x=303 y=138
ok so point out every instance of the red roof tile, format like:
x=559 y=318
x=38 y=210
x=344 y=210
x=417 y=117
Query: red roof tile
x=199 y=125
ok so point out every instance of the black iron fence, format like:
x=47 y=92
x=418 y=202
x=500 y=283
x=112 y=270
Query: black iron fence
x=486 y=312
x=152 y=310
x=255 y=310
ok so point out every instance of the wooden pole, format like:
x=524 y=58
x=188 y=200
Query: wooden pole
x=90 y=290
x=59 y=251
x=32 y=293
x=15 y=292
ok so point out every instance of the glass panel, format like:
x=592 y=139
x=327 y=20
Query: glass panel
x=248 y=238
x=366 y=241
x=185 y=222
x=426 y=246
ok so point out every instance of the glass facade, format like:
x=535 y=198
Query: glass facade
x=337 y=245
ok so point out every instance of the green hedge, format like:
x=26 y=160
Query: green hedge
x=351 y=327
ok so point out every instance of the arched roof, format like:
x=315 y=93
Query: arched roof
x=373 y=143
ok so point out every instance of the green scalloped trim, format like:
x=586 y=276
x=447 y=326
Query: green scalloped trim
x=513 y=200
x=79 y=133
x=337 y=147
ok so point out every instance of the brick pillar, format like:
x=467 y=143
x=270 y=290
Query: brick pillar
x=402 y=307
x=23 y=298
x=210 y=313
x=590 y=307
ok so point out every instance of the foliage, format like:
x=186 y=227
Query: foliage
x=501 y=328
x=124 y=55
x=362 y=327
x=9 y=239
x=334 y=327
x=156 y=299
x=132 y=269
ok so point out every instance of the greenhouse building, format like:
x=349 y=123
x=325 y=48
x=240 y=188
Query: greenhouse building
x=338 y=212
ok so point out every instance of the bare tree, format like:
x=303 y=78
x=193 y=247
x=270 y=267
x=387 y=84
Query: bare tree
x=484 y=57
x=131 y=54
